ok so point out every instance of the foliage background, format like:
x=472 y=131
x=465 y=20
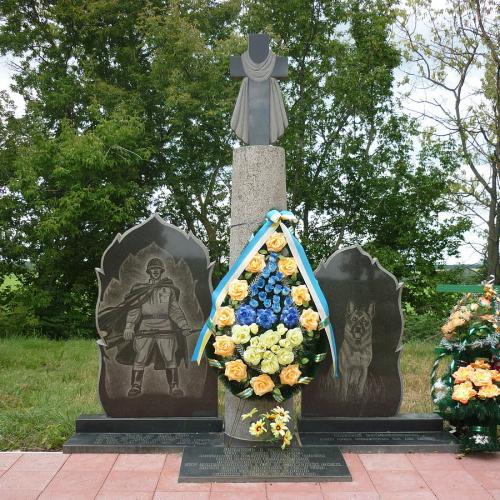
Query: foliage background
x=127 y=112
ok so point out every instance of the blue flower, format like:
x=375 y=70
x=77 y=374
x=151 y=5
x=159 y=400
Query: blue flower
x=245 y=315
x=254 y=290
x=277 y=289
x=266 y=318
x=269 y=288
x=262 y=296
x=267 y=303
x=279 y=275
x=271 y=266
x=276 y=307
x=273 y=257
x=276 y=298
x=261 y=283
x=253 y=303
x=286 y=290
x=290 y=316
x=288 y=302
x=266 y=273
x=272 y=280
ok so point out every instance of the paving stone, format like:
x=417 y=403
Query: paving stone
x=129 y=480
x=402 y=481
x=40 y=462
x=380 y=462
x=140 y=462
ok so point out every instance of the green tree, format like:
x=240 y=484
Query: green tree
x=127 y=110
x=355 y=174
x=454 y=49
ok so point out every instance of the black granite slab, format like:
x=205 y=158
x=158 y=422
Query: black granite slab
x=403 y=422
x=139 y=442
x=258 y=464
x=155 y=285
x=364 y=301
x=383 y=442
x=105 y=424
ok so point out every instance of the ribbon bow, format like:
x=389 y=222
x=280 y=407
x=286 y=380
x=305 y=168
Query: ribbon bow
x=274 y=219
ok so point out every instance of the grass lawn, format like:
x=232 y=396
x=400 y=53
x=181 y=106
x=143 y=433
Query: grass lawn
x=45 y=385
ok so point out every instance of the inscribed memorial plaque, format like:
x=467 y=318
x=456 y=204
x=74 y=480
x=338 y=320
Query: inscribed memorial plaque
x=202 y=464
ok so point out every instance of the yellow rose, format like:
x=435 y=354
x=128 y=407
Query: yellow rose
x=447 y=330
x=300 y=294
x=463 y=392
x=295 y=337
x=236 y=370
x=257 y=263
x=287 y=266
x=270 y=364
x=276 y=242
x=238 y=289
x=224 y=346
x=463 y=374
x=290 y=375
x=456 y=322
x=224 y=316
x=495 y=375
x=262 y=384
x=481 y=363
x=480 y=377
x=309 y=319
x=489 y=391
x=285 y=356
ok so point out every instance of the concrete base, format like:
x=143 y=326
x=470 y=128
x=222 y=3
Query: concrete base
x=259 y=185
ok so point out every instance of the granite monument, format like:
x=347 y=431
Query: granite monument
x=365 y=310
x=154 y=295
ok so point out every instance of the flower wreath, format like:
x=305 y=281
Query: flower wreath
x=267 y=335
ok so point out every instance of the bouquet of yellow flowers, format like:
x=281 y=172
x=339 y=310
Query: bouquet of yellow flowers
x=468 y=394
x=272 y=425
x=268 y=337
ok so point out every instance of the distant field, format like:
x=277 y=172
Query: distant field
x=45 y=385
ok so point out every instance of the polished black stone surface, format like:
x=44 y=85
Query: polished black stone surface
x=383 y=442
x=105 y=424
x=365 y=310
x=310 y=463
x=404 y=422
x=139 y=442
x=149 y=325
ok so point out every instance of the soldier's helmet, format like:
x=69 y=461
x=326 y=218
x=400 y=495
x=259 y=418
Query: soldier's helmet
x=155 y=264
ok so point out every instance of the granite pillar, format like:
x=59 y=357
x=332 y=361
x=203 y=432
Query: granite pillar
x=258 y=185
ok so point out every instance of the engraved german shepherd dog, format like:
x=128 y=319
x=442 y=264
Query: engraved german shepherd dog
x=356 y=351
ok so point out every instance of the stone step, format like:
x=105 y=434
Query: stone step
x=105 y=424
x=404 y=422
x=383 y=442
x=139 y=442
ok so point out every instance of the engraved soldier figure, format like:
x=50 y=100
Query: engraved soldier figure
x=156 y=325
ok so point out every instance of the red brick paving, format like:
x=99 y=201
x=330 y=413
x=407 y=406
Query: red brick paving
x=54 y=476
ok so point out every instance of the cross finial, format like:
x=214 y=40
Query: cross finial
x=259 y=116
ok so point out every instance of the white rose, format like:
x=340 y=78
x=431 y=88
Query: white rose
x=252 y=356
x=270 y=365
x=269 y=338
x=285 y=357
x=295 y=336
x=240 y=334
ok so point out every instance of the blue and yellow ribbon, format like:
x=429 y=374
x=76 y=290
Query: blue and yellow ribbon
x=274 y=219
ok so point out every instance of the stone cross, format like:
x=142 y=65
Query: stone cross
x=259 y=117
